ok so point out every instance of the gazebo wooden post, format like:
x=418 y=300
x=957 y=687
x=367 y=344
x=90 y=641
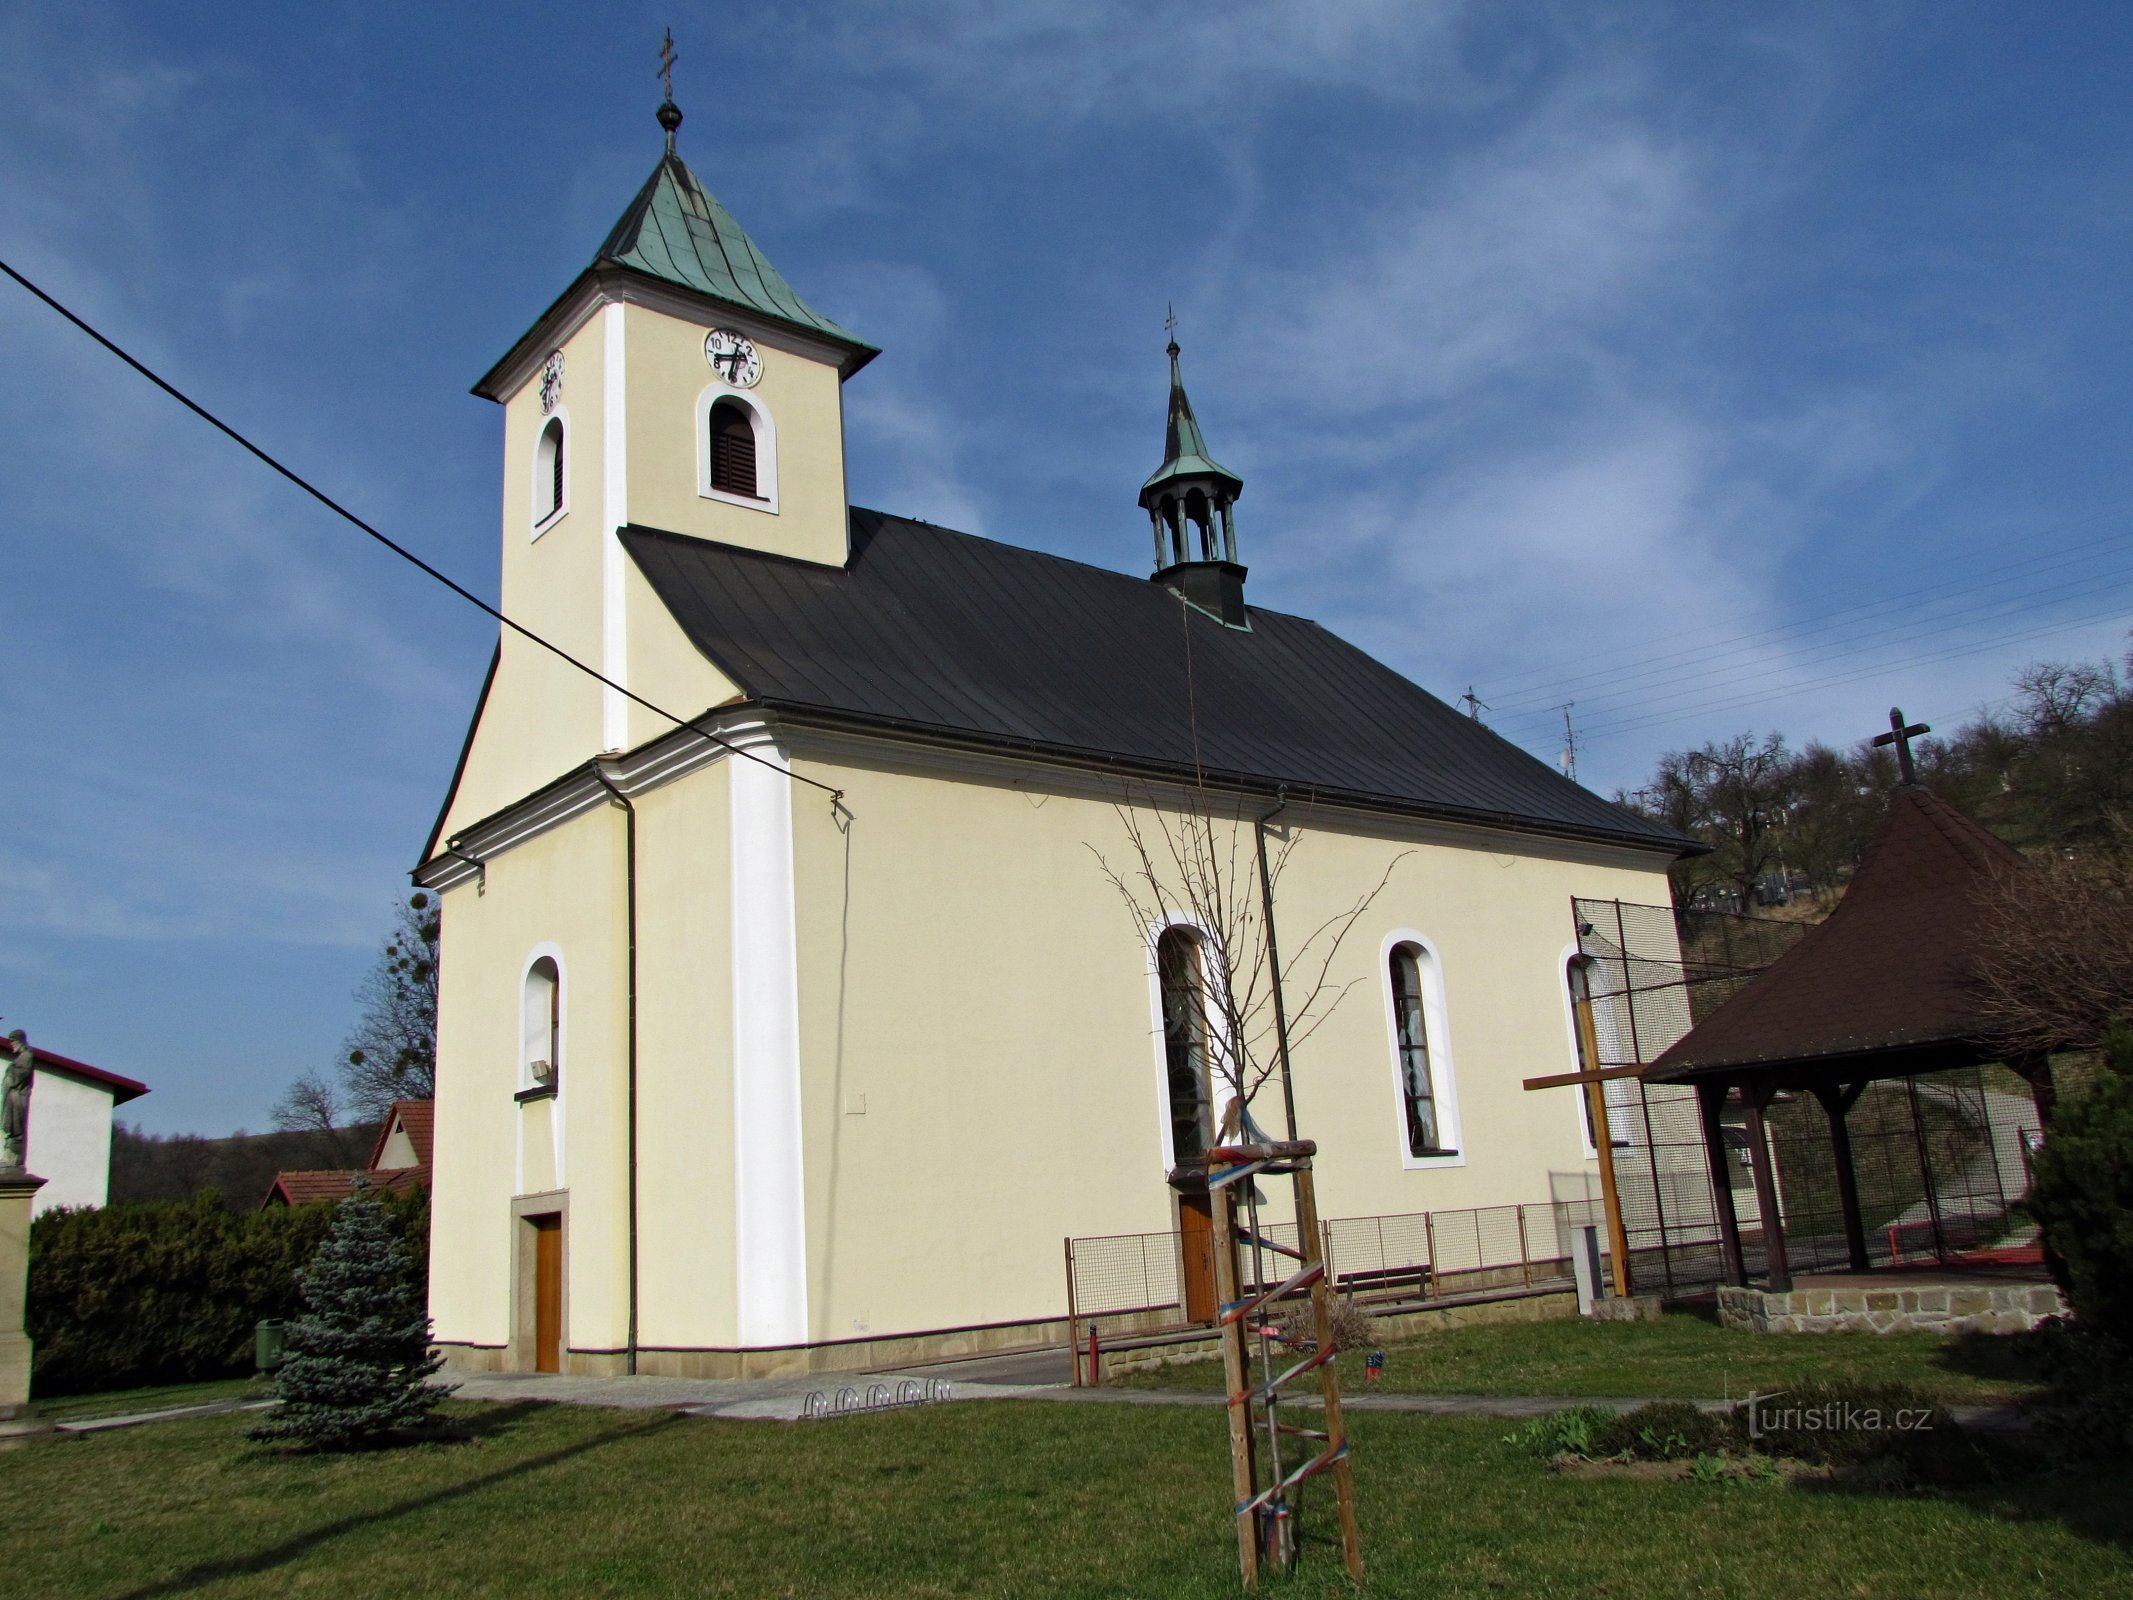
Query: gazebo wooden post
x=1711 y=1101
x=1777 y=1269
x=1837 y=1102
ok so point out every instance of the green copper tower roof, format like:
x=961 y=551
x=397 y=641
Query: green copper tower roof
x=676 y=232
x=1184 y=446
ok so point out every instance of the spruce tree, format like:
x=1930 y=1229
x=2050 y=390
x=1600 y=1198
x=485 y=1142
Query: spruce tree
x=358 y=1362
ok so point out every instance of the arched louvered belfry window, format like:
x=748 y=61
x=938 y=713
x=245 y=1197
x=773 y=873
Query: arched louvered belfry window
x=1179 y=974
x=548 y=471
x=1418 y=1087
x=733 y=466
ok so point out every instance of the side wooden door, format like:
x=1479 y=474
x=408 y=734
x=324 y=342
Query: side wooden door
x=548 y=1294
x=1196 y=1241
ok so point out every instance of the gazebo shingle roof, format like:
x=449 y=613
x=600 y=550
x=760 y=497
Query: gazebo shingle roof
x=1886 y=976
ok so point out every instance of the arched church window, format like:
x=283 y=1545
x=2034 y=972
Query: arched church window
x=1410 y=1021
x=548 y=472
x=733 y=463
x=1181 y=979
x=541 y=1026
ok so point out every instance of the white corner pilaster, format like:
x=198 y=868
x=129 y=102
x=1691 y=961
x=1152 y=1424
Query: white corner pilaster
x=770 y=1199
x=614 y=513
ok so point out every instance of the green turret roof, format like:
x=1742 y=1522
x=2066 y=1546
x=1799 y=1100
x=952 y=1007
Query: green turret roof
x=675 y=231
x=1184 y=447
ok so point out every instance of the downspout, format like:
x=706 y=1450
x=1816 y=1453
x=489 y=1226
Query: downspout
x=629 y=813
x=1273 y=959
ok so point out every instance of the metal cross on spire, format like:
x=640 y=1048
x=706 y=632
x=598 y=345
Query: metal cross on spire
x=1901 y=737
x=1170 y=322
x=667 y=58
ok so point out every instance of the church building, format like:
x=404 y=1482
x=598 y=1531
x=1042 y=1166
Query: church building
x=798 y=1033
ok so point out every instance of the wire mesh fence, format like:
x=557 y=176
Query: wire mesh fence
x=1139 y=1284
x=1940 y=1160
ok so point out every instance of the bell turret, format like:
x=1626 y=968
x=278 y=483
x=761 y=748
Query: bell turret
x=1189 y=501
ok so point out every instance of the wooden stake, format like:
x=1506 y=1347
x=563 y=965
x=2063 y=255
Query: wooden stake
x=1329 y=1377
x=1603 y=1142
x=1237 y=1378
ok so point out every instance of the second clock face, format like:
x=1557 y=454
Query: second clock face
x=732 y=356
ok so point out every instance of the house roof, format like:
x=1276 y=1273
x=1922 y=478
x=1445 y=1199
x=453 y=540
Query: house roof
x=932 y=632
x=1887 y=975
x=301 y=1188
x=122 y=1089
x=418 y=1117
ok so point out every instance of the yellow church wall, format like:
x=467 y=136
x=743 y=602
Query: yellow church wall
x=543 y=716
x=664 y=666
x=980 y=1056
x=668 y=376
x=562 y=890
x=685 y=1065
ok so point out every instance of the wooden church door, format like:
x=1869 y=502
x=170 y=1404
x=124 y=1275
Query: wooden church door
x=1196 y=1240
x=548 y=1294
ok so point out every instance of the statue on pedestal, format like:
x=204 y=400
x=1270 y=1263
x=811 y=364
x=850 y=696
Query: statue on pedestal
x=15 y=1086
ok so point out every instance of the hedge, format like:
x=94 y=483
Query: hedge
x=169 y=1291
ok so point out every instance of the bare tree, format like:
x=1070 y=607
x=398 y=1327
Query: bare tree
x=313 y=1105
x=1194 y=858
x=2055 y=964
x=392 y=1053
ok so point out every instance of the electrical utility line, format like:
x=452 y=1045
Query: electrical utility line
x=1533 y=680
x=400 y=550
x=1634 y=719
x=1714 y=668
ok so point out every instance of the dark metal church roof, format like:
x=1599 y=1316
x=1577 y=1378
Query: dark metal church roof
x=944 y=634
x=1883 y=984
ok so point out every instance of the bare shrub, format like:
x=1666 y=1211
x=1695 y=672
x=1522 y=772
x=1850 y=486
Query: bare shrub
x=1353 y=1327
x=2055 y=949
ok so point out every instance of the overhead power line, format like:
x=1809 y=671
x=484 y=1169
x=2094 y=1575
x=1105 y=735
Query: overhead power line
x=399 y=549
x=1533 y=680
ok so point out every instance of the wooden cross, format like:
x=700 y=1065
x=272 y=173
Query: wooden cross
x=1901 y=737
x=667 y=58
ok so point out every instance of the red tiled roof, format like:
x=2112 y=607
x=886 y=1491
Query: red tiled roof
x=1888 y=972
x=301 y=1188
x=122 y=1089
x=419 y=1118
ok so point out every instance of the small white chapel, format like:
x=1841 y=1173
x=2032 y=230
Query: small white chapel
x=789 y=1018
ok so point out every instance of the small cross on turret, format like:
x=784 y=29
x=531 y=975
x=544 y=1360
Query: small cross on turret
x=669 y=112
x=1901 y=736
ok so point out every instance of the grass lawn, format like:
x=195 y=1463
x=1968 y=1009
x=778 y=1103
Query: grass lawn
x=1681 y=1356
x=981 y=1499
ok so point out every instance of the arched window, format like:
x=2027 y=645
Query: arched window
x=541 y=1028
x=548 y=472
x=1178 y=971
x=1410 y=1023
x=733 y=465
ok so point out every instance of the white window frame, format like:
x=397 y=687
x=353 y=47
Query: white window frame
x=562 y=1034
x=541 y=481
x=766 y=448
x=1436 y=1028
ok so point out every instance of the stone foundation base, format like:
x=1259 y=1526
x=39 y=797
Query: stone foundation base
x=850 y=1355
x=1631 y=1308
x=1936 y=1308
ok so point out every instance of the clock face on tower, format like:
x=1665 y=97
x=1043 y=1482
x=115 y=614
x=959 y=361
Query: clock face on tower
x=732 y=356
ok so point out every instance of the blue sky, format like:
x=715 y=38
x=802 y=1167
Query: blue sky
x=1710 y=367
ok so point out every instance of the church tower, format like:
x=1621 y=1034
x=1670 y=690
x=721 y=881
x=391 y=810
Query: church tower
x=679 y=383
x=1189 y=500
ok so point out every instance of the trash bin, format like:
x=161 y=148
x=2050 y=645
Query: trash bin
x=268 y=1340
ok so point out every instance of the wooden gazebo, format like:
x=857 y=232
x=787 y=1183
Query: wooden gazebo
x=1880 y=990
